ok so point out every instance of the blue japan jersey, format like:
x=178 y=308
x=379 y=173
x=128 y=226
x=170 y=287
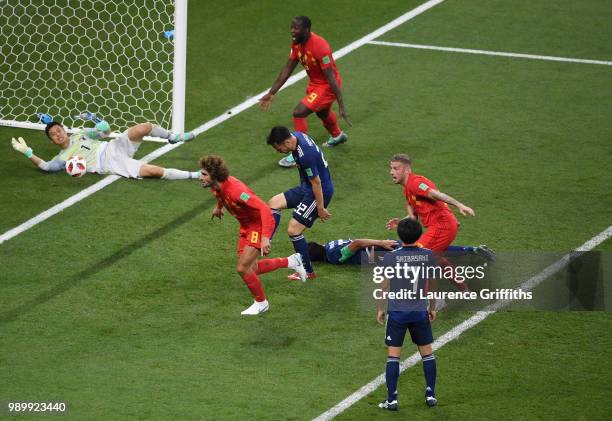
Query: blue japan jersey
x=311 y=163
x=337 y=253
x=412 y=275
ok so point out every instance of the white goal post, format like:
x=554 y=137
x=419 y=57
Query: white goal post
x=121 y=59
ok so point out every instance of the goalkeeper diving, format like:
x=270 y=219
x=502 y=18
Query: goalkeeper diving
x=103 y=157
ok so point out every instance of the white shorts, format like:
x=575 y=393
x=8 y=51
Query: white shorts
x=117 y=157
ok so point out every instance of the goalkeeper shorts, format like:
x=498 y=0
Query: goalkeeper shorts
x=117 y=158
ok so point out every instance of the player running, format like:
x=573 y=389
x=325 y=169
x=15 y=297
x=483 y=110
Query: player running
x=256 y=226
x=324 y=86
x=310 y=199
x=114 y=157
x=412 y=315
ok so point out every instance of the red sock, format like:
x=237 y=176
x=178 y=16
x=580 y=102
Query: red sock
x=461 y=286
x=252 y=281
x=268 y=265
x=300 y=124
x=331 y=124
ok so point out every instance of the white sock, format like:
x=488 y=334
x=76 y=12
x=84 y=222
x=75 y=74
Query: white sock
x=292 y=261
x=157 y=131
x=174 y=174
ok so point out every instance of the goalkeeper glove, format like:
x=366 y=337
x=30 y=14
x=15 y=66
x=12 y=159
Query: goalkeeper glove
x=21 y=146
x=103 y=126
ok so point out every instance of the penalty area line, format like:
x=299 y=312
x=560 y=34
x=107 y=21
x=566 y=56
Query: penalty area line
x=492 y=53
x=212 y=123
x=467 y=324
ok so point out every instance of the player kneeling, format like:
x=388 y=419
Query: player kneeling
x=256 y=226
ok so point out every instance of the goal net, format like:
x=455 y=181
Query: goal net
x=115 y=58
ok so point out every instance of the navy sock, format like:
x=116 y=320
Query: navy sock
x=392 y=375
x=276 y=214
x=300 y=245
x=429 y=369
x=458 y=250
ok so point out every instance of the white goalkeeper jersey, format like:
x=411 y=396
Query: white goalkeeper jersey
x=83 y=143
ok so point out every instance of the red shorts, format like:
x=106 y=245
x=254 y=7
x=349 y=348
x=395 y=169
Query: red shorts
x=318 y=97
x=249 y=236
x=438 y=238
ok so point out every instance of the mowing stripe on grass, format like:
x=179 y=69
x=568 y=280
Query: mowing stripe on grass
x=491 y=53
x=13 y=232
x=455 y=332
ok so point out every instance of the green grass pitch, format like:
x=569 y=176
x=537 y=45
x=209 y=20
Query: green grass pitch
x=127 y=306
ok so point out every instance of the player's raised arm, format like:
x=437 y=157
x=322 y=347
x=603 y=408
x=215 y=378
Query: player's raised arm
x=438 y=195
x=266 y=100
x=100 y=131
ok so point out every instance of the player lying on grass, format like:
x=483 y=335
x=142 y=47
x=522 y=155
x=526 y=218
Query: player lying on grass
x=114 y=157
x=412 y=315
x=256 y=225
x=353 y=252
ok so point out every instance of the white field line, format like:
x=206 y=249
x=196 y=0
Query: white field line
x=491 y=53
x=210 y=124
x=455 y=332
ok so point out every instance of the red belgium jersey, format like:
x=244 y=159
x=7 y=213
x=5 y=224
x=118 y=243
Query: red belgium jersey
x=244 y=205
x=315 y=55
x=432 y=213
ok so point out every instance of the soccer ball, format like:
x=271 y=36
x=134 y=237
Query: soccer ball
x=76 y=166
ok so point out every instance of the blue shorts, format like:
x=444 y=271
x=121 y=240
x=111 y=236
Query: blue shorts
x=304 y=205
x=420 y=332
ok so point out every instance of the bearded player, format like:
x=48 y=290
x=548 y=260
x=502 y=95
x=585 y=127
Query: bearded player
x=324 y=86
x=256 y=226
x=425 y=201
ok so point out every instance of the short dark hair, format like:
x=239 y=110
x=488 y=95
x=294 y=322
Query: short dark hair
x=278 y=135
x=216 y=167
x=316 y=252
x=303 y=21
x=409 y=230
x=401 y=157
x=50 y=125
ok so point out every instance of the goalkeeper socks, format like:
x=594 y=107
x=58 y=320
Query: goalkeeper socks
x=331 y=124
x=429 y=369
x=300 y=124
x=268 y=265
x=300 y=245
x=254 y=284
x=174 y=174
x=276 y=214
x=391 y=377
x=157 y=131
